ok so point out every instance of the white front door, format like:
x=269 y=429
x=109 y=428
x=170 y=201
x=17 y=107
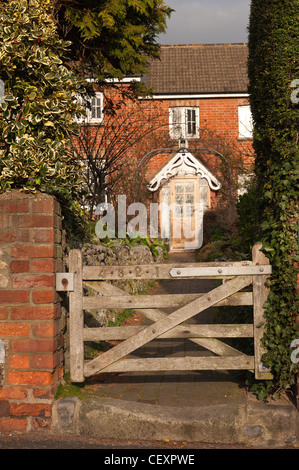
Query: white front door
x=181 y=218
x=184 y=212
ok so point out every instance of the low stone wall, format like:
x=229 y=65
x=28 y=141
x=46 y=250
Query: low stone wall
x=99 y=255
x=120 y=255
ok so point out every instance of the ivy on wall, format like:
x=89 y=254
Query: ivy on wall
x=273 y=66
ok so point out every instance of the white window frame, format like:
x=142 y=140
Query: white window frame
x=245 y=122
x=88 y=103
x=178 y=127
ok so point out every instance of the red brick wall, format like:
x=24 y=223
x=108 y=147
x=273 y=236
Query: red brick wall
x=30 y=319
x=217 y=115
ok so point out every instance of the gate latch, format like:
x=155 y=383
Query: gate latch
x=65 y=282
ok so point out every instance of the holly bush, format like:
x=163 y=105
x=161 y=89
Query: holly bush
x=37 y=115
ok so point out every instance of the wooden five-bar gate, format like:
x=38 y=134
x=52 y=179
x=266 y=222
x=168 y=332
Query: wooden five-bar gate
x=234 y=291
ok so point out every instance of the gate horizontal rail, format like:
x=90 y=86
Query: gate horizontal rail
x=170 y=271
x=236 y=276
x=160 y=301
x=182 y=363
x=193 y=331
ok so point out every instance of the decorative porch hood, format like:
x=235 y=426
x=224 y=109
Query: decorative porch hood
x=183 y=164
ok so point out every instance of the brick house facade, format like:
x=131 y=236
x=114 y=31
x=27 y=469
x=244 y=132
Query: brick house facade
x=202 y=143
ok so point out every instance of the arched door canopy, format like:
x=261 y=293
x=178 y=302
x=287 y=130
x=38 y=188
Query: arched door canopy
x=183 y=163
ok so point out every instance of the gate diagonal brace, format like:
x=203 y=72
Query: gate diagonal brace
x=166 y=324
x=212 y=344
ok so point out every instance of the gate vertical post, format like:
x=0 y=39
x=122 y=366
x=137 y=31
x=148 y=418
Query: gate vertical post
x=76 y=318
x=260 y=295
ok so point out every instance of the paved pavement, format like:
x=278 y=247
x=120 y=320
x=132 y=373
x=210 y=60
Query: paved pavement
x=211 y=407
x=44 y=440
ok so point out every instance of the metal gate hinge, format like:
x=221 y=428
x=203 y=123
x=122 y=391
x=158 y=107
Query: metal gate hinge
x=65 y=282
x=212 y=271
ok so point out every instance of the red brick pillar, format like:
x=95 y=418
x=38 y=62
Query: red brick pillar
x=31 y=340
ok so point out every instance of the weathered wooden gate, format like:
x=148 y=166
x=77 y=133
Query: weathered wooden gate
x=238 y=276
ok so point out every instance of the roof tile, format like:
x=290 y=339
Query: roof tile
x=199 y=68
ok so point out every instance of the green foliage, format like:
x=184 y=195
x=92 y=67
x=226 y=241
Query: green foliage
x=70 y=389
x=226 y=235
x=112 y=39
x=224 y=248
x=273 y=65
x=37 y=115
x=152 y=243
x=248 y=222
x=120 y=317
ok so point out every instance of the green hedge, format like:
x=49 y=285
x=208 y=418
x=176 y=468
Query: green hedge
x=273 y=66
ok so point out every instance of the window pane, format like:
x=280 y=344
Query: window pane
x=98 y=112
x=93 y=110
x=165 y=195
x=176 y=121
x=189 y=198
x=96 y=109
x=183 y=122
x=176 y=116
x=191 y=121
x=204 y=196
x=178 y=211
x=179 y=188
x=179 y=198
x=245 y=122
x=189 y=187
x=188 y=210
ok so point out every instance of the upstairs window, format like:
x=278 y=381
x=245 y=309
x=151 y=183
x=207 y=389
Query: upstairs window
x=94 y=109
x=245 y=122
x=183 y=123
x=95 y=113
